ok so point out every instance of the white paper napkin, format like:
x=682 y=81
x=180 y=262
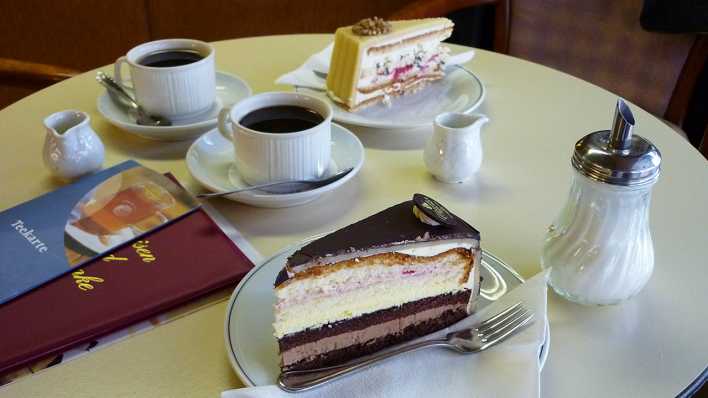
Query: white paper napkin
x=305 y=75
x=511 y=369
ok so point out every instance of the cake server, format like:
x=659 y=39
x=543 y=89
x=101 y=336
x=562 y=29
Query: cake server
x=466 y=341
x=284 y=187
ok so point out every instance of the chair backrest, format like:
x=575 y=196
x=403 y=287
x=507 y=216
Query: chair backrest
x=33 y=73
x=600 y=41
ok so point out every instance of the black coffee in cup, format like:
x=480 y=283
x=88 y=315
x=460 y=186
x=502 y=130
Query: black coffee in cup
x=170 y=58
x=281 y=119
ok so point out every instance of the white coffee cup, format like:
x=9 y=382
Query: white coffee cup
x=175 y=92
x=263 y=157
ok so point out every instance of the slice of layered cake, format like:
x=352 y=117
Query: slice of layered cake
x=375 y=60
x=402 y=273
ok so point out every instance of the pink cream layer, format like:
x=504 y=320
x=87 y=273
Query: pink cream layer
x=402 y=71
x=393 y=274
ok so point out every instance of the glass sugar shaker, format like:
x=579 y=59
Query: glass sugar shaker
x=599 y=249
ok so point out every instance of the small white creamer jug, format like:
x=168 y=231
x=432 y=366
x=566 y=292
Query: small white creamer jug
x=454 y=152
x=71 y=147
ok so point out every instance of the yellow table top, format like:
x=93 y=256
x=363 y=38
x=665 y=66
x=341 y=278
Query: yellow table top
x=536 y=115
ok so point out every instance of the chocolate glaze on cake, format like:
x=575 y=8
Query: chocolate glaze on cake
x=394 y=226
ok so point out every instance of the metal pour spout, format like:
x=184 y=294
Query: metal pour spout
x=621 y=134
x=618 y=156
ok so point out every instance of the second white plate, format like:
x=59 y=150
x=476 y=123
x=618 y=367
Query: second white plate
x=459 y=91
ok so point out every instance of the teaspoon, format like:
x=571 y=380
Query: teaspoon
x=122 y=98
x=284 y=187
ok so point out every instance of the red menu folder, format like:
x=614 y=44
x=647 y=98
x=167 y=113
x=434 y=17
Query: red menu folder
x=170 y=266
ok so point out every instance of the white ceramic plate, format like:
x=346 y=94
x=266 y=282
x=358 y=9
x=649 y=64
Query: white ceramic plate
x=210 y=160
x=250 y=344
x=459 y=91
x=230 y=89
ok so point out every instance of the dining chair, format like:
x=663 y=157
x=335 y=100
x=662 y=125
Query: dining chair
x=599 y=41
x=13 y=71
x=21 y=78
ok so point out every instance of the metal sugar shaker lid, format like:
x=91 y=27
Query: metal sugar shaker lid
x=617 y=156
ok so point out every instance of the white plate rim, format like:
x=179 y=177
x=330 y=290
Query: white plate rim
x=150 y=131
x=231 y=354
x=292 y=196
x=402 y=126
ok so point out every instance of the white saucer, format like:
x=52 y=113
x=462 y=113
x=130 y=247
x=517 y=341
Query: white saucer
x=210 y=161
x=250 y=345
x=229 y=90
x=459 y=91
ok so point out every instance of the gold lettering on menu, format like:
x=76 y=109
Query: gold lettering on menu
x=111 y=257
x=86 y=282
x=83 y=282
x=141 y=248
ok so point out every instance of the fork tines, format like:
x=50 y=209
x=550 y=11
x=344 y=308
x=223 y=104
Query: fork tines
x=504 y=324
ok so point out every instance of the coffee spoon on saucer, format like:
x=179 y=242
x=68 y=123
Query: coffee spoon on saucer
x=284 y=187
x=123 y=99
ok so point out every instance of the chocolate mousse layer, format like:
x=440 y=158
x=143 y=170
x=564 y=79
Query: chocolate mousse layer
x=369 y=333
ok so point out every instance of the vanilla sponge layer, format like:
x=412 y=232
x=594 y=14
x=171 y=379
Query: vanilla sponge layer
x=370 y=284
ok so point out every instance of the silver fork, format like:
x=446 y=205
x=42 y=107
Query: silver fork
x=466 y=341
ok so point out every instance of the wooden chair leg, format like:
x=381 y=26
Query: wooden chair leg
x=695 y=62
x=703 y=146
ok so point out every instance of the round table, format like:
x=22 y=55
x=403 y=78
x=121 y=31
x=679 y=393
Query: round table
x=652 y=345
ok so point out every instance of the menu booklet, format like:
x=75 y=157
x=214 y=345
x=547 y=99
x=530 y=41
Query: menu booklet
x=151 y=274
x=64 y=229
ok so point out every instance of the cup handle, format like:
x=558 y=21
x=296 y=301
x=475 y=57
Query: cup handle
x=225 y=123
x=117 y=72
